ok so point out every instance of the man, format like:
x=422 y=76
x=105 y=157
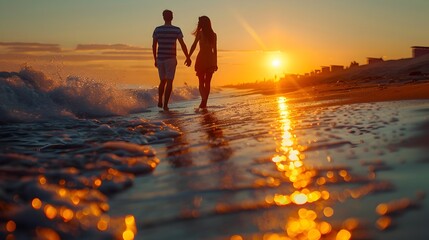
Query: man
x=164 y=54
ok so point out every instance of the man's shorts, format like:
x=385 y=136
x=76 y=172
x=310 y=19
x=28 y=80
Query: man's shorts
x=167 y=68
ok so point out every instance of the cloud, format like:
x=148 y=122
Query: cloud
x=22 y=47
x=91 y=47
x=127 y=53
x=75 y=58
x=142 y=66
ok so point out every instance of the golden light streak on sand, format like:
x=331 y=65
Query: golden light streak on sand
x=103 y=223
x=131 y=229
x=343 y=235
x=351 y=223
x=383 y=223
x=97 y=182
x=325 y=195
x=36 y=203
x=306 y=226
x=47 y=233
x=381 y=209
x=42 y=180
x=66 y=214
x=95 y=210
x=129 y=220
x=282 y=200
x=289 y=162
x=75 y=200
x=236 y=237
x=325 y=228
x=299 y=198
x=128 y=235
x=343 y=173
x=328 y=212
x=105 y=206
x=50 y=211
x=62 y=192
x=10 y=226
x=314 y=234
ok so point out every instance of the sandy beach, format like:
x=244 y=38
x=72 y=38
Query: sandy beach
x=366 y=92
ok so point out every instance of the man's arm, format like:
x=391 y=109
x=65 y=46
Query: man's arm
x=154 y=46
x=185 y=51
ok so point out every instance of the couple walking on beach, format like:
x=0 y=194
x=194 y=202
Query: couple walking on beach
x=164 y=53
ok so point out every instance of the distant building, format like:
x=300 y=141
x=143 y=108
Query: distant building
x=354 y=64
x=336 y=68
x=419 y=51
x=326 y=69
x=372 y=60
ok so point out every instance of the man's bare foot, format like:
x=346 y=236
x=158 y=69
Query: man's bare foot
x=166 y=108
x=160 y=104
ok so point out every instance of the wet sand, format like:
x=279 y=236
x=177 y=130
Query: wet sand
x=325 y=162
x=335 y=161
x=365 y=92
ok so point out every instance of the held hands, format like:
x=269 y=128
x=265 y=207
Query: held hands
x=188 y=62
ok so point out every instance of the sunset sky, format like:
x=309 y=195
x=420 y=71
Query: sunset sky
x=111 y=39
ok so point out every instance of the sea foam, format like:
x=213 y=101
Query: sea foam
x=30 y=95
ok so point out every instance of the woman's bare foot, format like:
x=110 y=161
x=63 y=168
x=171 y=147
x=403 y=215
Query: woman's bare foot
x=203 y=104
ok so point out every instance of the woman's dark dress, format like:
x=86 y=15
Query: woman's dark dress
x=206 y=58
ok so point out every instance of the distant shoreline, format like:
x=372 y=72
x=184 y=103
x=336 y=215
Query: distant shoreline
x=404 y=79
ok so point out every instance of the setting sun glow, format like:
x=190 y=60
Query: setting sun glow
x=276 y=63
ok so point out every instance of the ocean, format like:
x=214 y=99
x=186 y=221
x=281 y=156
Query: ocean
x=82 y=159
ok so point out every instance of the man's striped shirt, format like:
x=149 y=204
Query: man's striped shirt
x=167 y=35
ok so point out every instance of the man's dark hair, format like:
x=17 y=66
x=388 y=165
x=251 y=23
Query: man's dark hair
x=167 y=15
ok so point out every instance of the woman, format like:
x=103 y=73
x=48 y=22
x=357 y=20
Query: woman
x=206 y=63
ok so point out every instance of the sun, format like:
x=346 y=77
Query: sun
x=276 y=63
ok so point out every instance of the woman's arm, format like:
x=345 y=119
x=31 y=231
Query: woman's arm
x=194 y=45
x=215 y=51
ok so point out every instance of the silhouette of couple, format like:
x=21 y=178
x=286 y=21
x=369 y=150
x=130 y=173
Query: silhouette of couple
x=164 y=54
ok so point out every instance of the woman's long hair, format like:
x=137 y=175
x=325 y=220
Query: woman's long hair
x=205 y=26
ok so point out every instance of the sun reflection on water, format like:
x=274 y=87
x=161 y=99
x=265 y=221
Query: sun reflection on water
x=309 y=222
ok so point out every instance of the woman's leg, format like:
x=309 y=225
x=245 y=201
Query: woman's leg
x=201 y=88
x=207 y=85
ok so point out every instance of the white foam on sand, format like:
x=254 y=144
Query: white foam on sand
x=29 y=95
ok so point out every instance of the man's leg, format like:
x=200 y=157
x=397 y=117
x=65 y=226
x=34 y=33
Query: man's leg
x=169 y=76
x=161 y=92
x=168 y=90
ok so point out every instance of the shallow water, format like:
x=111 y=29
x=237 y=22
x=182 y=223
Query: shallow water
x=257 y=166
x=249 y=167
